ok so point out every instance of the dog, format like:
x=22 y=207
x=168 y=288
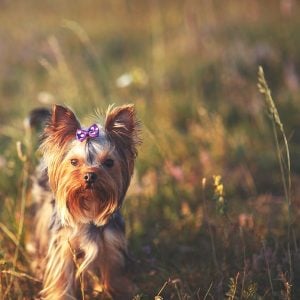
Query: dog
x=78 y=191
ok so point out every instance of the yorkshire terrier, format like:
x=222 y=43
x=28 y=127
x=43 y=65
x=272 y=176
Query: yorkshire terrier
x=78 y=192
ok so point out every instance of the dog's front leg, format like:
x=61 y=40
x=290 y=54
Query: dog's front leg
x=59 y=278
x=113 y=266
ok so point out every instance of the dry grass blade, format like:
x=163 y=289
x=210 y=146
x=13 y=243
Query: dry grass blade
x=24 y=189
x=158 y=296
x=13 y=238
x=207 y=292
x=283 y=158
x=273 y=112
x=20 y=275
x=233 y=285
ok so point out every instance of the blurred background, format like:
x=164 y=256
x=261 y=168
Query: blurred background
x=207 y=213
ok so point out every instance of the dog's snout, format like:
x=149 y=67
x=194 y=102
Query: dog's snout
x=90 y=177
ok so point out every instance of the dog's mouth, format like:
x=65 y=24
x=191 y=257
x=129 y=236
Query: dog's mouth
x=92 y=192
x=92 y=202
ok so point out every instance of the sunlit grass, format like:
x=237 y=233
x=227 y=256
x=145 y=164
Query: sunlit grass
x=209 y=213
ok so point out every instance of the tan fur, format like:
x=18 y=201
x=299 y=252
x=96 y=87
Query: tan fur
x=86 y=233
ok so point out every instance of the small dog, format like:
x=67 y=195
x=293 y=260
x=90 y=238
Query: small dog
x=78 y=191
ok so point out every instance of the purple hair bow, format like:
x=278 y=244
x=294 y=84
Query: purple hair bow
x=91 y=132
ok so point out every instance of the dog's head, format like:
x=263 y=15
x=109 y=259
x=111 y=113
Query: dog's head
x=90 y=169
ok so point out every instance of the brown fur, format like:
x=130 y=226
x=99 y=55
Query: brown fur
x=85 y=218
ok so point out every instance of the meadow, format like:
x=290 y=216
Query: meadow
x=213 y=206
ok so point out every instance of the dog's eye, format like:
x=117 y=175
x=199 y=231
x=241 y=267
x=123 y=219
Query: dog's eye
x=74 y=162
x=108 y=163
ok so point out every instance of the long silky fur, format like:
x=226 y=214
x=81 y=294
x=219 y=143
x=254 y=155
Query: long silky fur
x=100 y=243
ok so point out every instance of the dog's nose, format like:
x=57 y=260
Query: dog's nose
x=90 y=177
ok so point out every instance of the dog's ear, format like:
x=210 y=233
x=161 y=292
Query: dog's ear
x=62 y=125
x=122 y=127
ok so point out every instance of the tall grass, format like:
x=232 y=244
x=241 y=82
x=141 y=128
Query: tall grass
x=190 y=69
x=284 y=161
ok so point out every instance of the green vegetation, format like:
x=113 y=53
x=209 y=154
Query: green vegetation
x=213 y=206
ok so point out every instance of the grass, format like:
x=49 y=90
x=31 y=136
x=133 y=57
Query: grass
x=212 y=209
